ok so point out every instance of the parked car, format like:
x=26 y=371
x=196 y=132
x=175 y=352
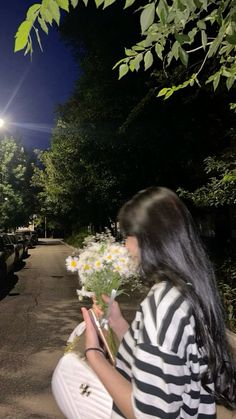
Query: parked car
x=21 y=238
x=7 y=257
x=19 y=248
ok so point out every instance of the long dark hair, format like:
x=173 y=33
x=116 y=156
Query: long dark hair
x=171 y=249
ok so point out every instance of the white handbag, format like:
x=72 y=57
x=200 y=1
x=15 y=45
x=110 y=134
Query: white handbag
x=78 y=391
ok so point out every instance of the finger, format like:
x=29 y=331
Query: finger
x=106 y=298
x=97 y=311
x=87 y=318
x=91 y=338
x=94 y=300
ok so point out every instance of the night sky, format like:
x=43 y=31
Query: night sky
x=30 y=90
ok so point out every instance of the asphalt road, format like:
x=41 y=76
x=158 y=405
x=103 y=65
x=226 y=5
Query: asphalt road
x=36 y=317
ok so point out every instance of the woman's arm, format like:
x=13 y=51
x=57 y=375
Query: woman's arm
x=117 y=386
x=118 y=324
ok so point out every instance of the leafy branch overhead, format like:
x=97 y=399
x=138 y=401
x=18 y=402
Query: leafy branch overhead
x=220 y=188
x=170 y=30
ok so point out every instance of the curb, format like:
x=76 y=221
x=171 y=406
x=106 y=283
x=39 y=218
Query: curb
x=68 y=245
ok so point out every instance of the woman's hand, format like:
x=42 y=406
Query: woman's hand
x=116 y=321
x=115 y=313
x=91 y=337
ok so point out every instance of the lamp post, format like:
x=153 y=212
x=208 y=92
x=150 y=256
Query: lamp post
x=45 y=227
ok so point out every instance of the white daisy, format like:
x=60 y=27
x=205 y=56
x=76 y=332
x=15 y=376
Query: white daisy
x=72 y=263
x=83 y=293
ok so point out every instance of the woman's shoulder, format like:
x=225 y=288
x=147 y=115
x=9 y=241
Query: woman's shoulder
x=164 y=294
x=168 y=313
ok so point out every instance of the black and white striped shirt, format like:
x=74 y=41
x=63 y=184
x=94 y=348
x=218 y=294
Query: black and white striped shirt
x=159 y=355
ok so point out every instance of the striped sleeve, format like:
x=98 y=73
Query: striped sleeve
x=159 y=380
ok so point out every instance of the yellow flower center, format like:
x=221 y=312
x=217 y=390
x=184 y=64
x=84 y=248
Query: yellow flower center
x=73 y=263
x=98 y=263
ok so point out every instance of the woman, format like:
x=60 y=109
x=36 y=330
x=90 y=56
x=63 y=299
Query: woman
x=174 y=361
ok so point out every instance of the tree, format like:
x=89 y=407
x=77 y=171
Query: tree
x=16 y=193
x=201 y=34
x=217 y=198
x=220 y=189
x=77 y=185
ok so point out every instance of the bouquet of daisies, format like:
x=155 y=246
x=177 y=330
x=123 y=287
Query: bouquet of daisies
x=103 y=265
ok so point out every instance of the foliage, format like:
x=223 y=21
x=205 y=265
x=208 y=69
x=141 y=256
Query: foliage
x=77 y=239
x=221 y=188
x=226 y=273
x=75 y=183
x=190 y=31
x=16 y=193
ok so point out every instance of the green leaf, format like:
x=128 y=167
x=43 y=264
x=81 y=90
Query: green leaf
x=129 y=3
x=162 y=11
x=33 y=11
x=183 y=55
x=168 y=94
x=108 y=3
x=129 y=52
x=21 y=37
x=75 y=3
x=175 y=50
x=163 y=91
x=204 y=4
x=229 y=82
x=119 y=62
x=181 y=6
x=181 y=38
x=43 y=25
x=231 y=38
x=99 y=2
x=226 y=72
x=201 y=25
x=169 y=57
x=46 y=15
x=148 y=60
x=204 y=39
x=135 y=63
x=123 y=70
x=198 y=4
x=54 y=8
x=147 y=16
x=159 y=49
x=192 y=35
x=217 y=41
x=63 y=4
x=216 y=80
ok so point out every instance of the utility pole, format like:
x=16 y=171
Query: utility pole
x=45 y=227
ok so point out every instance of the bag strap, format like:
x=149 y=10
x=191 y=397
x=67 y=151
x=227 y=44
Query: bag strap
x=78 y=331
